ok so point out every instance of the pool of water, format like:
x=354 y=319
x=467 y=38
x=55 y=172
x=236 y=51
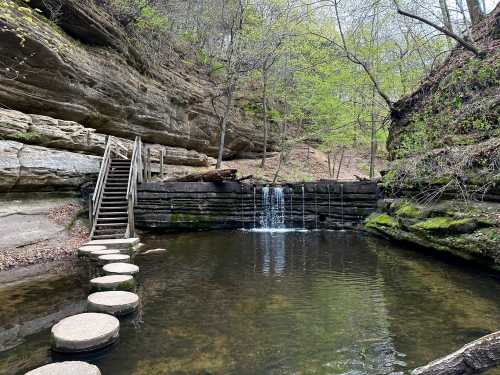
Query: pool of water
x=267 y=303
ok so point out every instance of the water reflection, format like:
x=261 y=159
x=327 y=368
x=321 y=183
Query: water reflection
x=289 y=303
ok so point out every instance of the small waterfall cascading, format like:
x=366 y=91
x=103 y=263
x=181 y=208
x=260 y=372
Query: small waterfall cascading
x=342 y=205
x=273 y=208
x=254 y=208
x=303 y=209
x=316 y=206
x=242 y=217
x=291 y=205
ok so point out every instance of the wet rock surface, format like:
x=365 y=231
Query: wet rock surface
x=469 y=230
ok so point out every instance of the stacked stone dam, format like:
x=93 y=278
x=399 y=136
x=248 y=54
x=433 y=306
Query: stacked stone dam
x=232 y=205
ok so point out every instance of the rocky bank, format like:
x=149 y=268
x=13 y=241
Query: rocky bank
x=443 y=182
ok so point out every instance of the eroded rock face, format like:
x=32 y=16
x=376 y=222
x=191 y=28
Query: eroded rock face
x=69 y=135
x=25 y=168
x=97 y=86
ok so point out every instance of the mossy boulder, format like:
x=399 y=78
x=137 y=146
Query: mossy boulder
x=376 y=220
x=446 y=225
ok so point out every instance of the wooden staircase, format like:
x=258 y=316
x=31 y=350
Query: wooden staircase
x=112 y=205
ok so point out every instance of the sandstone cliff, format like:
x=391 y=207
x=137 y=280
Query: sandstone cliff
x=83 y=75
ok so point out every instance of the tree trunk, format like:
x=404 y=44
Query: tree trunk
x=475 y=11
x=340 y=161
x=229 y=102
x=266 y=126
x=446 y=19
x=373 y=140
x=474 y=358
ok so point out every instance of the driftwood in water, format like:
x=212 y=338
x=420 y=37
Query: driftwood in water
x=216 y=175
x=474 y=358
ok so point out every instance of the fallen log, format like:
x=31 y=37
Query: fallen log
x=474 y=358
x=216 y=175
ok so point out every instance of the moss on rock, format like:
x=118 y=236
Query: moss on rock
x=446 y=225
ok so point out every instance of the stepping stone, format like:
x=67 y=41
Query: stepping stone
x=113 y=258
x=86 y=250
x=113 y=282
x=120 y=268
x=121 y=243
x=96 y=254
x=114 y=302
x=85 y=332
x=66 y=368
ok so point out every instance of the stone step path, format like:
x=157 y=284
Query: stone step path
x=117 y=303
x=113 y=282
x=98 y=328
x=66 y=368
x=120 y=269
x=85 y=332
x=86 y=250
x=113 y=258
x=97 y=253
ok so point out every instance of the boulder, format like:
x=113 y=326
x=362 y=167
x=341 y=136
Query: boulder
x=26 y=168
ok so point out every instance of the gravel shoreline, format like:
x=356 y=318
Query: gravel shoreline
x=63 y=246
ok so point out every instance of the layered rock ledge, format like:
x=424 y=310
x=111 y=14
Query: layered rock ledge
x=83 y=71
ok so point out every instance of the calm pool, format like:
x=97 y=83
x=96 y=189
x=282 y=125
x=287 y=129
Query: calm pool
x=263 y=303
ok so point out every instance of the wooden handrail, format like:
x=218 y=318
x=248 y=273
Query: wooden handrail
x=112 y=146
x=135 y=176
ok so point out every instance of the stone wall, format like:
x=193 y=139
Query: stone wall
x=230 y=205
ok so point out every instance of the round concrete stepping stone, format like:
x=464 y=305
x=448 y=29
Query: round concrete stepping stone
x=113 y=282
x=114 y=302
x=66 y=368
x=96 y=254
x=85 y=332
x=86 y=250
x=120 y=268
x=113 y=258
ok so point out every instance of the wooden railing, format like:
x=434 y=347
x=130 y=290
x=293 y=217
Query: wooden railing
x=113 y=147
x=135 y=177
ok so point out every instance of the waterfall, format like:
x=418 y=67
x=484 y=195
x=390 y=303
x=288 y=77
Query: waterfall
x=342 y=204
x=291 y=205
x=254 y=208
x=303 y=209
x=273 y=208
x=316 y=205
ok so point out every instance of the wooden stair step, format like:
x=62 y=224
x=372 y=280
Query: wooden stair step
x=106 y=236
x=112 y=225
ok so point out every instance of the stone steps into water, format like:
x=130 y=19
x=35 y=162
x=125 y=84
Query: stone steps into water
x=86 y=250
x=85 y=332
x=121 y=243
x=116 y=303
x=113 y=282
x=113 y=258
x=94 y=255
x=66 y=368
x=120 y=269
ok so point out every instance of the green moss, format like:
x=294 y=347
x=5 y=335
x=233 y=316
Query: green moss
x=409 y=210
x=446 y=225
x=28 y=137
x=376 y=220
